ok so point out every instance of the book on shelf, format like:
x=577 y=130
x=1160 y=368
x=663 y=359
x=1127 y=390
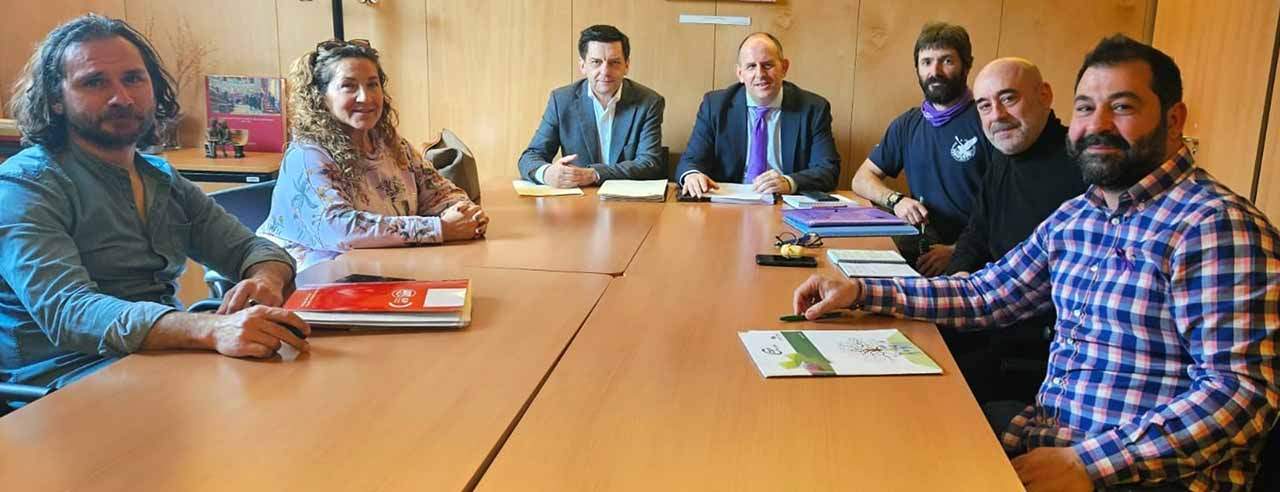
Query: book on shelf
x=835 y=353
x=401 y=304
x=253 y=105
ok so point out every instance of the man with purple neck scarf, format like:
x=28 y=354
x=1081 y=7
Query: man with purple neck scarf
x=940 y=146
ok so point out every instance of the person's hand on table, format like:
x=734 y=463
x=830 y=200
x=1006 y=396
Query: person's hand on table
x=463 y=220
x=820 y=294
x=771 y=181
x=698 y=184
x=563 y=174
x=264 y=284
x=258 y=332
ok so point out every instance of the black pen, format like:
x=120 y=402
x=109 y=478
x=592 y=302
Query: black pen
x=296 y=332
x=800 y=317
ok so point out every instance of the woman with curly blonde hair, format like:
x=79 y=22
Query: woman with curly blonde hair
x=348 y=180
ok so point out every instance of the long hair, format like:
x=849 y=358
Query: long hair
x=309 y=116
x=39 y=87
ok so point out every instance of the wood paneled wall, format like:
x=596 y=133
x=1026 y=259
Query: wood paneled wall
x=484 y=68
x=1268 y=186
x=1226 y=56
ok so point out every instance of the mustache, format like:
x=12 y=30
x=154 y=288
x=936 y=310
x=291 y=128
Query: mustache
x=935 y=78
x=1003 y=125
x=1108 y=139
x=122 y=112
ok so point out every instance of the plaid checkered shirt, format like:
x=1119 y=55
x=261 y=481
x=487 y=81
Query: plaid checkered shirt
x=1164 y=367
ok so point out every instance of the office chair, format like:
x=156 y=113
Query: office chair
x=250 y=204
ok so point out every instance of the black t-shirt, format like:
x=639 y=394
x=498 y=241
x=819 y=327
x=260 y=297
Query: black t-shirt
x=944 y=165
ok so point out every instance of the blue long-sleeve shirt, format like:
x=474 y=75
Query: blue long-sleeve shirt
x=82 y=277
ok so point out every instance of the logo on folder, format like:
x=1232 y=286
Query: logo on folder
x=963 y=150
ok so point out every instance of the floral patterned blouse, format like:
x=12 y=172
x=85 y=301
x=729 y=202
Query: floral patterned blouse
x=318 y=211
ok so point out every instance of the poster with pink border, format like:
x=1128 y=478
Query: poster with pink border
x=255 y=104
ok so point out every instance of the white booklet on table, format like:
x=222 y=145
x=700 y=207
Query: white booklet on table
x=836 y=353
x=874 y=263
x=739 y=193
x=529 y=188
x=801 y=201
x=651 y=190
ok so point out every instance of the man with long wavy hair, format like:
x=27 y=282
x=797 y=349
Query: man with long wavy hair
x=96 y=234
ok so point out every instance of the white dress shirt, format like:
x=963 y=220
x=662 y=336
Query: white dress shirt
x=604 y=128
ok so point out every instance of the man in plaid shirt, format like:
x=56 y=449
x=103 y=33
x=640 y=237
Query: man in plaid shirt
x=1167 y=287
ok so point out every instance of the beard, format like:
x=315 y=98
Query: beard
x=94 y=129
x=1119 y=172
x=950 y=90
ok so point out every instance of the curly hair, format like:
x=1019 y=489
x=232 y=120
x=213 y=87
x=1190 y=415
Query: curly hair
x=309 y=115
x=39 y=87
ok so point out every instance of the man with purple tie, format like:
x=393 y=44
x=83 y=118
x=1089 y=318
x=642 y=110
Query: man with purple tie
x=761 y=131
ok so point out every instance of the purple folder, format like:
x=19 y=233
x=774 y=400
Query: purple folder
x=844 y=216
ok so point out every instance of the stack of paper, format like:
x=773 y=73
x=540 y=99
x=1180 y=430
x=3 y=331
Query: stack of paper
x=801 y=201
x=836 y=353
x=740 y=194
x=870 y=263
x=527 y=188
x=653 y=190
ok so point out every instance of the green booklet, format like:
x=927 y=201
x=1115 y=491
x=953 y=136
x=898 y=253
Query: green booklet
x=836 y=353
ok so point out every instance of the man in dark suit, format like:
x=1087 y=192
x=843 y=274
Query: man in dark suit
x=605 y=126
x=762 y=131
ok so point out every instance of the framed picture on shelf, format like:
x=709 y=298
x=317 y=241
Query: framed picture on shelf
x=252 y=104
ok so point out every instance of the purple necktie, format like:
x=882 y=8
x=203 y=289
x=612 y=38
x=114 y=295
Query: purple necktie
x=758 y=154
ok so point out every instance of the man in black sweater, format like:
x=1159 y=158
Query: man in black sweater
x=1018 y=192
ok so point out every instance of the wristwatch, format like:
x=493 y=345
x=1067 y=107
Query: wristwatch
x=893 y=199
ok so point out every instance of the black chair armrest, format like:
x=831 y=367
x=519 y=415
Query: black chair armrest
x=205 y=306
x=22 y=392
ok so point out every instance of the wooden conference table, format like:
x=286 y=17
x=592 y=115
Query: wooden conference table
x=633 y=382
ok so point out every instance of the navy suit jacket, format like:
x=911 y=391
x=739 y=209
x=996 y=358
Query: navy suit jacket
x=718 y=145
x=569 y=127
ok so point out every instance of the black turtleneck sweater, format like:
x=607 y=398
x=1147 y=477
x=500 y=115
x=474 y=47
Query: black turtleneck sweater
x=1018 y=193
